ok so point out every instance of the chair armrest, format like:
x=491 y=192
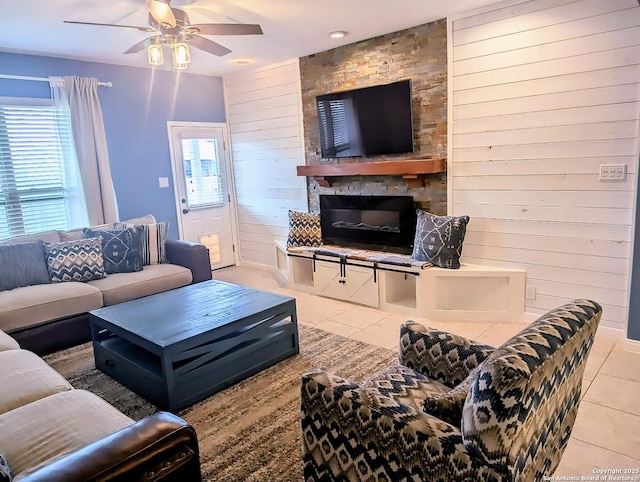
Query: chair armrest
x=440 y=355
x=161 y=446
x=194 y=256
x=351 y=432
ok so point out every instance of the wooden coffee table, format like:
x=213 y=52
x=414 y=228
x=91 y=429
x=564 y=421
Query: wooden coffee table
x=179 y=347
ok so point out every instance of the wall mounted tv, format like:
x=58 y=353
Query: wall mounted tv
x=365 y=122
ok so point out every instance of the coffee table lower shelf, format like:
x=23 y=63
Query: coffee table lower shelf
x=181 y=385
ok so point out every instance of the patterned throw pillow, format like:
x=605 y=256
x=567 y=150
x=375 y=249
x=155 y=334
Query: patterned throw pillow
x=439 y=239
x=22 y=264
x=121 y=249
x=5 y=471
x=154 y=236
x=304 y=229
x=79 y=260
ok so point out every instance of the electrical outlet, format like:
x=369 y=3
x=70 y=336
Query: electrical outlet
x=613 y=172
x=530 y=292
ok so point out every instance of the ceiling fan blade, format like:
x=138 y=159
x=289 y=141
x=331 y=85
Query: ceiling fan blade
x=162 y=13
x=142 y=29
x=208 y=46
x=227 y=29
x=156 y=39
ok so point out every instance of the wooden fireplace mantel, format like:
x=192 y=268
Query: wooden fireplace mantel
x=411 y=170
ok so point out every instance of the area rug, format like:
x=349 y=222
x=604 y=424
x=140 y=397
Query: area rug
x=251 y=431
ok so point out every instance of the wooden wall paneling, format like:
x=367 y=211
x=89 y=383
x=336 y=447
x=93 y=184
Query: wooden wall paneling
x=542 y=93
x=264 y=116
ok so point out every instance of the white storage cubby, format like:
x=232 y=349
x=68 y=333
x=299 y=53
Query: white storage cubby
x=399 y=291
x=473 y=292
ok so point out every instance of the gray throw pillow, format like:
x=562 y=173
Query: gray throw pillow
x=439 y=239
x=22 y=264
x=5 y=471
x=121 y=248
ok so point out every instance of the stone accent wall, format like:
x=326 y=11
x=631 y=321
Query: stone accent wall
x=419 y=54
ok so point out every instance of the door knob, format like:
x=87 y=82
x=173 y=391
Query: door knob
x=183 y=201
x=185 y=211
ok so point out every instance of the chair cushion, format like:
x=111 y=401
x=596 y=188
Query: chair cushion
x=405 y=385
x=524 y=399
x=448 y=406
x=33 y=435
x=25 y=377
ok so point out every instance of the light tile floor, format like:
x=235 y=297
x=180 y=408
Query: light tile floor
x=606 y=434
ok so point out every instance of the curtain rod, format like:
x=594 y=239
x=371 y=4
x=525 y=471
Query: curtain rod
x=40 y=79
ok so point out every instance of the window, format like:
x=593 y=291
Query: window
x=40 y=187
x=202 y=173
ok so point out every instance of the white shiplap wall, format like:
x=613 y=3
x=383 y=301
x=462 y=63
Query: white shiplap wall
x=265 y=124
x=542 y=93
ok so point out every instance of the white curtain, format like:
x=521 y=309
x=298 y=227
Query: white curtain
x=91 y=147
x=74 y=199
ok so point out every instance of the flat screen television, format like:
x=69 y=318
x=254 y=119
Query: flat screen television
x=364 y=122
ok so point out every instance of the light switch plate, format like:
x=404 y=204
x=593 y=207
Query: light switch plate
x=163 y=181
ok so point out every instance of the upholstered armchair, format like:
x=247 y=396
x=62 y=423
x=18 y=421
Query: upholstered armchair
x=453 y=409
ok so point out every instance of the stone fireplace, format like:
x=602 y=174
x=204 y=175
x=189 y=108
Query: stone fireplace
x=419 y=54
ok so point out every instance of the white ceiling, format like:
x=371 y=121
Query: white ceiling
x=292 y=28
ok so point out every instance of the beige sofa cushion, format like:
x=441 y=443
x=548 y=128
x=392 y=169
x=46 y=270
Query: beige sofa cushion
x=35 y=434
x=7 y=342
x=153 y=279
x=34 y=305
x=25 y=377
x=47 y=237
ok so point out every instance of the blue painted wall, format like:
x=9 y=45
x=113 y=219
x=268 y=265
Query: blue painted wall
x=136 y=110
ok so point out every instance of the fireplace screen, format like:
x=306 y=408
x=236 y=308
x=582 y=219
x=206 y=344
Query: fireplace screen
x=381 y=221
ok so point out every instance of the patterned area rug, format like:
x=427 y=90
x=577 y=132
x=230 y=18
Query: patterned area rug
x=251 y=431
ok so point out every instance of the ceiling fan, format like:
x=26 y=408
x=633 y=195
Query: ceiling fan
x=173 y=29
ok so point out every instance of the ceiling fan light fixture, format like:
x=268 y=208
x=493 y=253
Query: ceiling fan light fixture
x=161 y=11
x=180 y=55
x=155 y=55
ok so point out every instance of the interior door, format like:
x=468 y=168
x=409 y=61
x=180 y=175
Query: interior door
x=201 y=184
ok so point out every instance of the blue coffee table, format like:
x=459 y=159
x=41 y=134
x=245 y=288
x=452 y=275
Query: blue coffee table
x=179 y=347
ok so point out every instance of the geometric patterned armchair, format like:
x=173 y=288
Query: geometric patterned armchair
x=453 y=409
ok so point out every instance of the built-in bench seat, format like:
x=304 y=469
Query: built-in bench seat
x=398 y=283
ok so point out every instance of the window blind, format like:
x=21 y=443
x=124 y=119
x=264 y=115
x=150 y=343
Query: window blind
x=40 y=188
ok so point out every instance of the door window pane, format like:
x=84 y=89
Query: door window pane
x=202 y=175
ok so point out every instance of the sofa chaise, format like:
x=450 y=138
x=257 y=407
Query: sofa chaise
x=45 y=314
x=51 y=432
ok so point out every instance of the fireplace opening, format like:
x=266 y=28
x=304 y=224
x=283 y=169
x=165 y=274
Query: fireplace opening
x=386 y=223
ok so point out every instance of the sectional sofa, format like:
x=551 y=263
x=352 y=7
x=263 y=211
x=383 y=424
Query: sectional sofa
x=50 y=281
x=51 y=432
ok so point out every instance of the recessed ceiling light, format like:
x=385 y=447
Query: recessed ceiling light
x=242 y=61
x=338 y=34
